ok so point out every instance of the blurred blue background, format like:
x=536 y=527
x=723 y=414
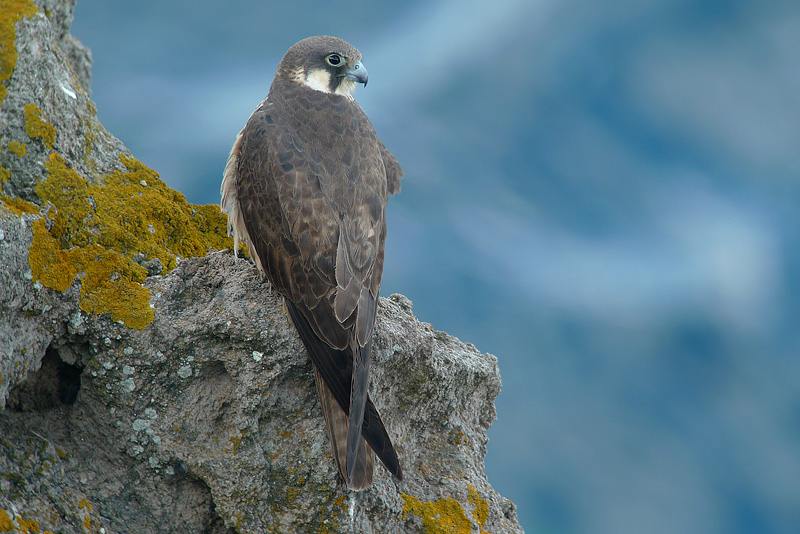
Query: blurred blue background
x=603 y=194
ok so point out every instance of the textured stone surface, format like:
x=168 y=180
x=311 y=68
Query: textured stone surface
x=206 y=419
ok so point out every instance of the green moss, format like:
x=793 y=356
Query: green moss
x=36 y=126
x=99 y=229
x=19 y=206
x=445 y=516
x=17 y=148
x=10 y=12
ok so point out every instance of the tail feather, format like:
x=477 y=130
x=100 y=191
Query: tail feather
x=335 y=368
x=336 y=422
x=358 y=402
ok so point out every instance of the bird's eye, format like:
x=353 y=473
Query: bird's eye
x=334 y=60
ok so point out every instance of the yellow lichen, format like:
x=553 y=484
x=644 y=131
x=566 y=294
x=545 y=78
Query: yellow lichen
x=19 y=206
x=5 y=522
x=340 y=506
x=10 y=12
x=134 y=212
x=481 y=511
x=27 y=526
x=92 y=132
x=36 y=126
x=83 y=503
x=445 y=516
x=49 y=264
x=99 y=229
x=5 y=174
x=235 y=443
x=111 y=283
x=17 y=148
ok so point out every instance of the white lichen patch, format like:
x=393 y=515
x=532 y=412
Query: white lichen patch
x=140 y=424
x=128 y=385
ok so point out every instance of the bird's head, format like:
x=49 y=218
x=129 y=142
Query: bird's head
x=324 y=63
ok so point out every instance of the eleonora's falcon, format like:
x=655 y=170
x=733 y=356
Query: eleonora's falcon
x=306 y=187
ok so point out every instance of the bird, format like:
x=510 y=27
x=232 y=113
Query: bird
x=306 y=187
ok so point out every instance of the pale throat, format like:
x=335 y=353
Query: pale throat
x=320 y=80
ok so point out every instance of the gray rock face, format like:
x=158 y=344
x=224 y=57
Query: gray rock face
x=206 y=419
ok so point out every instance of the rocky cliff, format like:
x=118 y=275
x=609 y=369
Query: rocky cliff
x=149 y=381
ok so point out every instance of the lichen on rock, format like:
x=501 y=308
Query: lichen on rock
x=110 y=282
x=10 y=12
x=100 y=229
x=444 y=516
x=38 y=127
x=18 y=206
x=17 y=148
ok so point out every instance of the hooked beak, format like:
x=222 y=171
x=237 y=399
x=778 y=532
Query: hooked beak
x=358 y=74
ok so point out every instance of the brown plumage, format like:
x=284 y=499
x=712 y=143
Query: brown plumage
x=306 y=186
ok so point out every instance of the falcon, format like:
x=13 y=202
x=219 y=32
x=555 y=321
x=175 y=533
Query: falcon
x=305 y=187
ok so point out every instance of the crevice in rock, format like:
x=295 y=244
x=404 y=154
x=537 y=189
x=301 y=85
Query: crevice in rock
x=54 y=384
x=214 y=524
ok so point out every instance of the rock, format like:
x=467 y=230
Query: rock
x=166 y=391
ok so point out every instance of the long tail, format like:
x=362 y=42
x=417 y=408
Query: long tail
x=335 y=369
x=336 y=420
x=358 y=402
